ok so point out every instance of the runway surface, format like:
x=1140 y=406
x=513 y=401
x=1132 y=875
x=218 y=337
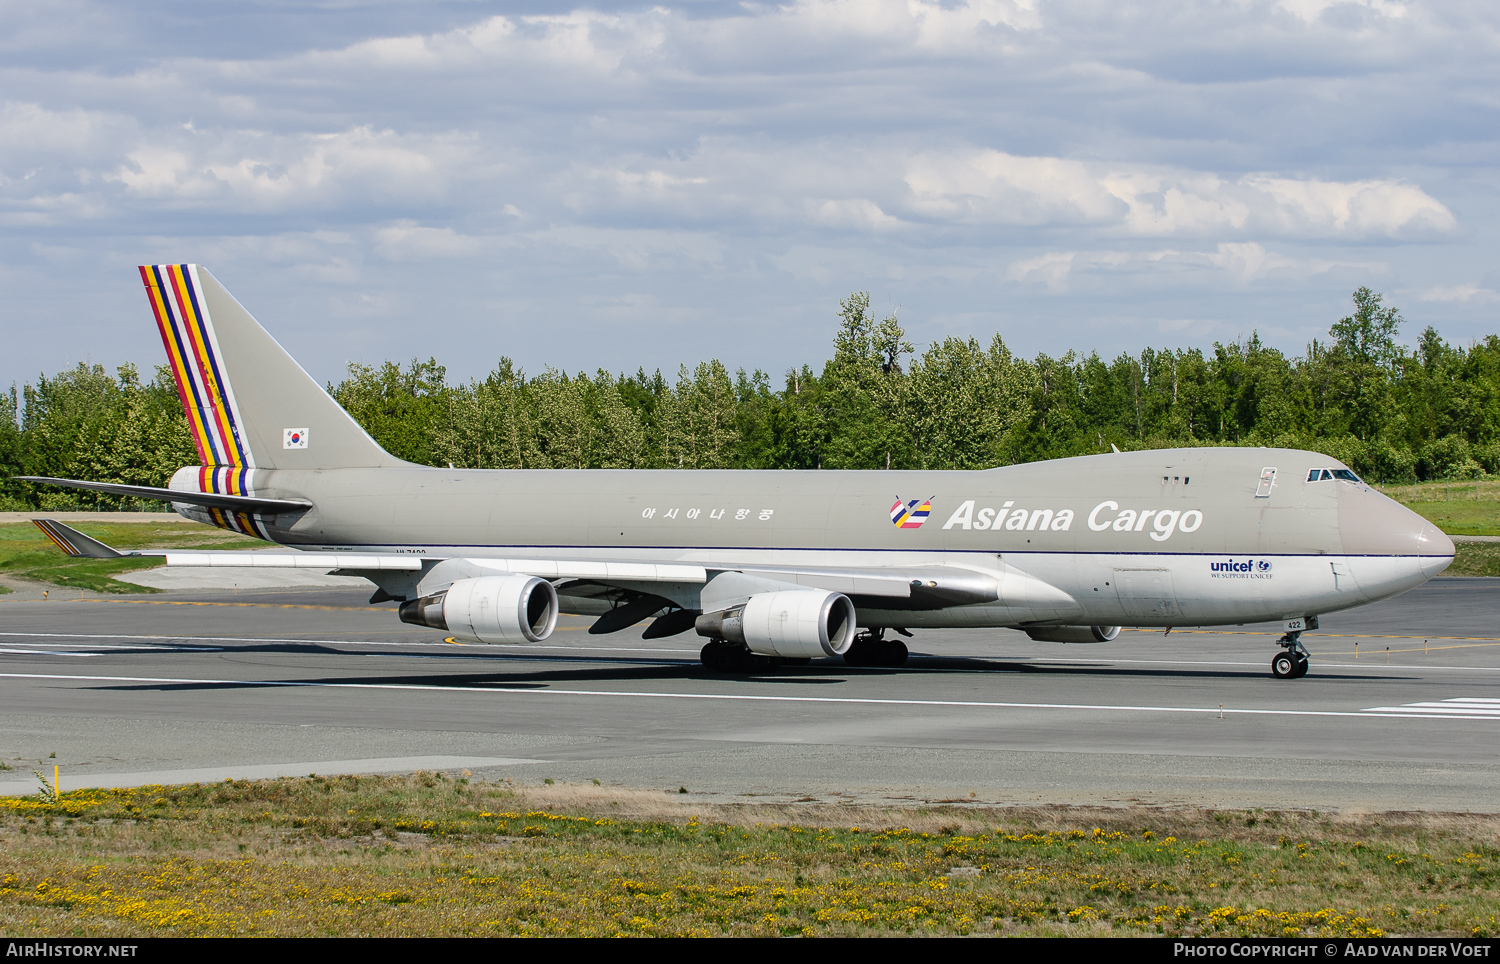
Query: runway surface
x=199 y=686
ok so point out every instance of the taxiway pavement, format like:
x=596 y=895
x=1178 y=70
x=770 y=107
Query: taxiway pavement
x=193 y=686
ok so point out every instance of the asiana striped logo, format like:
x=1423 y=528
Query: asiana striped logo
x=910 y=515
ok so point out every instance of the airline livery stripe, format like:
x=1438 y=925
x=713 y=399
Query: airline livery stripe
x=198 y=335
x=188 y=296
x=187 y=335
x=57 y=540
x=175 y=339
x=218 y=396
x=193 y=362
x=171 y=337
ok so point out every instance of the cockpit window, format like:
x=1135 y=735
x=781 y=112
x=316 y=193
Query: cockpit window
x=1327 y=475
x=1346 y=475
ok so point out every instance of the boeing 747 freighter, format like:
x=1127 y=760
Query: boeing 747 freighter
x=766 y=565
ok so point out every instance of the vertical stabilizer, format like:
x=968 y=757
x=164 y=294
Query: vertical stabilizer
x=248 y=403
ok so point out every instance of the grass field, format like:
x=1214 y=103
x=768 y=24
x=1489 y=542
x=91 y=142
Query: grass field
x=1475 y=559
x=433 y=855
x=27 y=553
x=1459 y=508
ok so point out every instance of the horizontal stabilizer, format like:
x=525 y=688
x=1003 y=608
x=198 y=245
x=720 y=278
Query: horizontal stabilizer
x=75 y=543
x=213 y=500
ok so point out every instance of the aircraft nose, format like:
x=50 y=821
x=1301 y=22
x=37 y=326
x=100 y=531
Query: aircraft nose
x=1371 y=524
x=1436 y=549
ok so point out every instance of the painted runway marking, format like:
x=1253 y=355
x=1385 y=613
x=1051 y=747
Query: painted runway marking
x=1459 y=707
x=502 y=690
x=691 y=655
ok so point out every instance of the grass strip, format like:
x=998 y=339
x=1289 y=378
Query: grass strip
x=429 y=855
x=1475 y=559
x=1461 y=518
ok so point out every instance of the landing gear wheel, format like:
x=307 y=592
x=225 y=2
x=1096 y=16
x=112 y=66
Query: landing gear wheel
x=1284 y=666
x=1301 y=669
x=722 y=656
x=872 y=649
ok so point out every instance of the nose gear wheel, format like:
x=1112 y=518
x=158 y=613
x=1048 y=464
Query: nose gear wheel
x=1291 y=662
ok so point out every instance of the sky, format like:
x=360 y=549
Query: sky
x=623 y=185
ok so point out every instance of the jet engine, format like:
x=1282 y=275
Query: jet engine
x=489 y=609
x=1074 y=634
x=796 y=623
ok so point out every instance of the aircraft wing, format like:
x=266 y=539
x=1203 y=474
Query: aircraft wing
x=620 y=592
x=928 y=587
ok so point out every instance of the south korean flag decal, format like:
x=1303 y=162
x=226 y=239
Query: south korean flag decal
x=294 y=438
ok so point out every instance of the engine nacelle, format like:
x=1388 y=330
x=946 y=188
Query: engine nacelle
x=796 y=623
x=489 y=609
x=1074 y=634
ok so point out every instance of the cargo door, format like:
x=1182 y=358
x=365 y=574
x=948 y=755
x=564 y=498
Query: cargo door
x=1147 y=593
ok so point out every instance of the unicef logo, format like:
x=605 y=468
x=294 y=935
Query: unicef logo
x=1262 y=565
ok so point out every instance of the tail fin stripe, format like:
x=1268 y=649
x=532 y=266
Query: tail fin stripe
x=179 y=349
x=57 y=540
x=218 y=395
x=171 y=339
x=188 y=337
x=208 y=369
x=192 y=364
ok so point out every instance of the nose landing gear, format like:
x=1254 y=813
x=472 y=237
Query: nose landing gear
x=1291 y=663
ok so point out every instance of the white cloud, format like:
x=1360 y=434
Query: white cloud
x=407 y=240
x=1310 y=10
x=1240 y=262
x=861 y=214
x=997 y=188
x=1467 y=293
x=1359 y=208
x=251 y=170
x=581 y=40
x=931 y=26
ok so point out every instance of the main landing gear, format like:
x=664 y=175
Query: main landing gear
x=1291 y=662
x=723 y=656
x=871 y=648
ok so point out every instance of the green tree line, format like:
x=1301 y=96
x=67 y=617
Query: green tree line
x=1396 y=413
